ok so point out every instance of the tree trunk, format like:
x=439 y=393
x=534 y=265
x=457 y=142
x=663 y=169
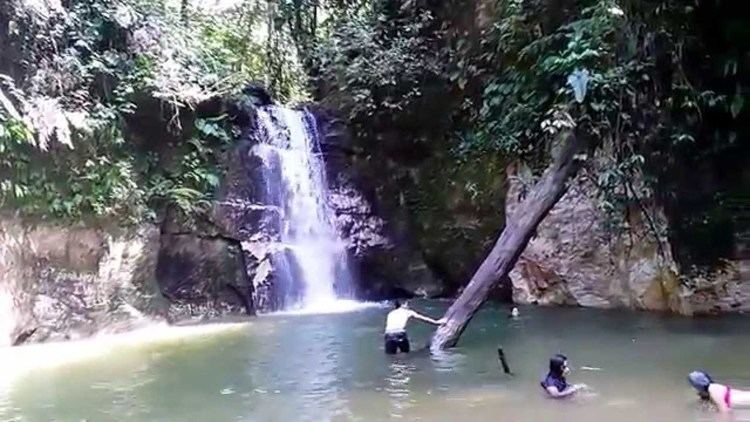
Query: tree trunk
x=519 y=228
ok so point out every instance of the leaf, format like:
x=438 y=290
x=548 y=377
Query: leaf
x=578 y=81
x=19 y=191
x=736 y=106
x=184 y=193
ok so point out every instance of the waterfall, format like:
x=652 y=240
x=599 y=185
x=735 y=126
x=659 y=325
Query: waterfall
x=312 y=273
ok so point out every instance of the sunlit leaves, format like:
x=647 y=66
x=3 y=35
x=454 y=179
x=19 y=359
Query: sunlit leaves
x=100 y=63
x=377 y=65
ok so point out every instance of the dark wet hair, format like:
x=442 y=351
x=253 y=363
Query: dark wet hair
x=700 y=381
x=556 y=365
x=396 y=304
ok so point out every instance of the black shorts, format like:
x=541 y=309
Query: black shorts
x=395 y=342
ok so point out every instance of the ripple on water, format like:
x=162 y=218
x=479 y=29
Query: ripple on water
x=448 y=360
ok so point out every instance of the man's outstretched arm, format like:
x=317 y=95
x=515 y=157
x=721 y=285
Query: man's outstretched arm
x=427 y=319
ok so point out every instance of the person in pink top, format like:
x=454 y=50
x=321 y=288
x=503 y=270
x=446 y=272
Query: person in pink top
x=723 y=396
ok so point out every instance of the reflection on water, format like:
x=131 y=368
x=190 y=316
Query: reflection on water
x=332 y=368
x=398 y=387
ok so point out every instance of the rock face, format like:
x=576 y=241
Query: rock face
x=60 y=282
x=63 y=282
x=248 y=212
x=69 y=283
x=724 y=290
x=382 y=266
x=385 y=259
x=203 y=277
x=412 y=228
x=439 y=217
x=577 y=259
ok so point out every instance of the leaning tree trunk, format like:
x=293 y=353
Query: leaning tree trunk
x=519 y=228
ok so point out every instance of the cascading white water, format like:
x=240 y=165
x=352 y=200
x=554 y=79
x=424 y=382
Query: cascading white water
x=317 y=255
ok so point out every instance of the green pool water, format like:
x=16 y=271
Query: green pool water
x=332 y=367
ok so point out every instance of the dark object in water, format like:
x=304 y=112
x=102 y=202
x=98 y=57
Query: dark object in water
x=503 y=362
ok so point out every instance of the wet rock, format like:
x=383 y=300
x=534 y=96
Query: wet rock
x=437 y=214
x=724 y=290
x=578 y=258
x=266 y=263
x=257 y=94
x=382 y=267
x=385 y=260
x=203 y=277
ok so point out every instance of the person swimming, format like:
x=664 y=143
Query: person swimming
x=723 y=396
x=514 y=314
x=555 y=384
x=395 y=327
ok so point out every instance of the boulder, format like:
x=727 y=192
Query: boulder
x=203 y=277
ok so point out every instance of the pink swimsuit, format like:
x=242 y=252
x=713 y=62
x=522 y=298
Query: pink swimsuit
x=728 y=397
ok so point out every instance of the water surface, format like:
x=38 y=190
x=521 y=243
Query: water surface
x=332 y=367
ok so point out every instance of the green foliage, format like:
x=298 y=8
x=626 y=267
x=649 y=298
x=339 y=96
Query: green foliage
x=376 y=65
x=112 y=184
x=96 y=63
x=15 y=142
x=191 y=184
x=520 y=101
x=661 y=101
x=418 y=82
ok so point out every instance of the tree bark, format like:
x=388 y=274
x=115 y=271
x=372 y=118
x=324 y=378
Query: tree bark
x=519 y=228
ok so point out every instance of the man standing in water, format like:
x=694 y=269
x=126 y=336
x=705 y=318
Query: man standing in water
x=395 y=327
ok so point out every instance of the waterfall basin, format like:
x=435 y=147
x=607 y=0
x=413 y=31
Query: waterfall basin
x=331 y=366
